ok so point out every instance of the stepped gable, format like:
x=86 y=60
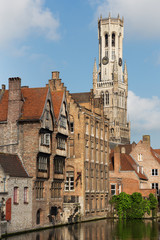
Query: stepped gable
x=57 y=97
x=81 y=97
x=12 y=165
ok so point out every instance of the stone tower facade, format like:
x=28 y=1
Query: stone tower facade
x=110 y=81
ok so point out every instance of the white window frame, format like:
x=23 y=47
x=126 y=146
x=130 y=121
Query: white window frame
x=140 y=157
x=112 y=194
x=69 y=184
x=154 y=172
x=45 y=139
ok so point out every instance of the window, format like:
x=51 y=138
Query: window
x=97 y=131
x=106 y=40
x=113 y=189
x=69 y=185
x=25 y=194
x=97 y=178
x=16 y=195
x=101 y=153
x=92 y=133
x=86 y=150
x=155 y=186
x=102 y=97
x=58 y=165
x=97 y=152
x=45 y=139
x=92 y=151
x=92 y=178
x=42 y=163
x=86 y=177
x=101 y=133
x=61 y=142
x=113 y=39
x=87 y=128
x=39 y=186
x=107 y=98
x=154 y=172
x=56 y=189
x=63 y=122
x=38 y=216
x=113 y=55
x=72 y=127
x=47 y=115
x=140 y=157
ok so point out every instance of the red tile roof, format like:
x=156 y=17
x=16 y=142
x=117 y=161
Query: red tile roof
x=126 y=164
x=4 y=106
x=34 y=101
x=12 y=165
x=33 y=105
x=57 y=97
x=156 y=154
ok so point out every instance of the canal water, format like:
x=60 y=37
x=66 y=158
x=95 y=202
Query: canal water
x=99 y=230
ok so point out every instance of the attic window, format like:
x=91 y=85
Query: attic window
x=45 y=139
x=140 y=157
x=63 y=122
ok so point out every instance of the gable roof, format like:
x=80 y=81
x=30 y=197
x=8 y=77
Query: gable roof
x=33 y=103
x=12 y=165
x=57 y=98
x=126 y=164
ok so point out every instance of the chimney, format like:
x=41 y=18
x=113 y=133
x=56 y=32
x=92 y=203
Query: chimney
x=146 y=139
x=117 y=159
x=3 y=87
x=14 y=99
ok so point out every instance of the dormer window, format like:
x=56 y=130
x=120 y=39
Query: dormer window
x=45 y=139
x=63 y=122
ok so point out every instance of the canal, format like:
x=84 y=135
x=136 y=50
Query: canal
x=99 y=230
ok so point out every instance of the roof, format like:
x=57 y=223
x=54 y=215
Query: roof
x=34 y=101
x=81 y=97
x=33 y=104
x=12 y=165
x=126 y=164
x=57 y=97
x=156 y=154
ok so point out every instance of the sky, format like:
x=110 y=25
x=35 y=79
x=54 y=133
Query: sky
x=41 y=36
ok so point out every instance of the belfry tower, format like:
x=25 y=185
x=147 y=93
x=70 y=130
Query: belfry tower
x=110 y=81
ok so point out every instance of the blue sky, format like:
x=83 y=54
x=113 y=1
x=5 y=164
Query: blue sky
x=41 y=36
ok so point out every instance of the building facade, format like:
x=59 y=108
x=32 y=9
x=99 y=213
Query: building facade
x=126 y=175
x=149 y=160
x=34 y=124
x=110 y=81
x=15 y=195
x=86 y=182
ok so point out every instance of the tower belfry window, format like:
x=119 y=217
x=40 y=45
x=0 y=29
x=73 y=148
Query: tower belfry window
x=106 y=40
x=107 y=98
x=113 y=39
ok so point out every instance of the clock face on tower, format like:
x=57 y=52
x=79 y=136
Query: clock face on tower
x=105 y=60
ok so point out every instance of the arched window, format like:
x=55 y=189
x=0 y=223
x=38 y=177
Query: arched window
x=102 y=97
x=38 y=217
x=113 y=39
x=107 y=98
x=106 y=40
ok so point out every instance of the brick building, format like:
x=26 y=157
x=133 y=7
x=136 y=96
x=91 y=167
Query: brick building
x=34 y=124
x=15 y=194
x=86 y=184
x=126 y=175
x=148 y=159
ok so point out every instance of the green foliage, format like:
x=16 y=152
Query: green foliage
x=133 y=206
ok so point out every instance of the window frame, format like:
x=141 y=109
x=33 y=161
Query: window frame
x=69 y=183
x=16 y=195
x=154 y=172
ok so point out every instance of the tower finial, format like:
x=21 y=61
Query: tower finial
x=101 y=16
x=125 y=69
x=95 y=66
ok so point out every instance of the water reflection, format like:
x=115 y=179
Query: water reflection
x=99 y=230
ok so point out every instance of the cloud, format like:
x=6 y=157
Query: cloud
x=144 y=113
x=141 y=17
x=21 y=18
